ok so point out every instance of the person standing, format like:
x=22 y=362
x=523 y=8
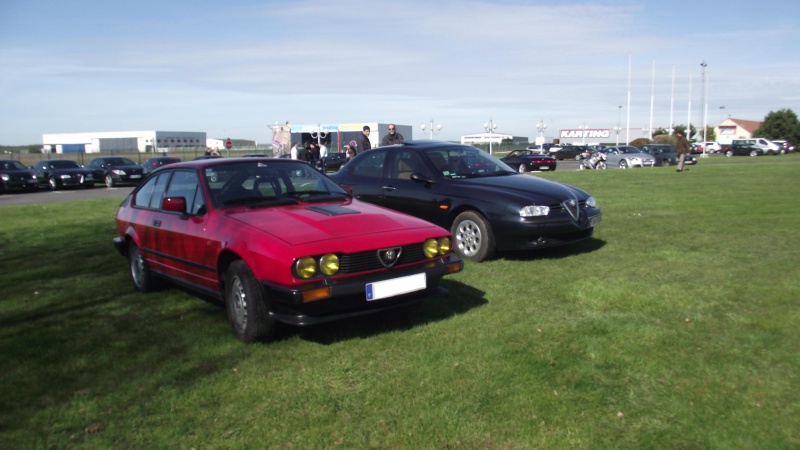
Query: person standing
x=363 y=140
x=293 y=152
x=393 y=137
x=682 y=145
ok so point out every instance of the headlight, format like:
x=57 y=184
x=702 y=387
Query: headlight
x=119 y=172
x=435 y=247
x=591 y=202
x=4 y=177
x=534 y=211
x=636 y=160
x=65 y=177
x=329 y=264
x=305 y=267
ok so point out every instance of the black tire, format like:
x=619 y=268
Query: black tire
x=522 y=168
x=143 y=279
x=623 y=164
x=246 y=304
x=666 y=162
x=753 y=153
x=109 y=181
x=729 y=153
x=473 y=237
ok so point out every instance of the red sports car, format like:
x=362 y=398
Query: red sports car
x=277 y=241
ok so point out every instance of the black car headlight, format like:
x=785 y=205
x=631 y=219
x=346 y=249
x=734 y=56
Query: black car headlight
x=534 y=211
x=591 y=202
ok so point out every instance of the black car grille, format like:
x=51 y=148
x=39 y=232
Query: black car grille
x=558 y=207
x=368 y=261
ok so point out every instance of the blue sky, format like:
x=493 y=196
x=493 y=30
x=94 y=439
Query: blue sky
x=233 y=68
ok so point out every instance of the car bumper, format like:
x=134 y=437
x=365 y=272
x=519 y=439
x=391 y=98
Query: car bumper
x=19 y=185
x=545 y=232
x=348 y=297
x=127 y=179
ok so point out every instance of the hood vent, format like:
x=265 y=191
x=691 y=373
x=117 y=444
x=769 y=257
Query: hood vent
x=332 y=210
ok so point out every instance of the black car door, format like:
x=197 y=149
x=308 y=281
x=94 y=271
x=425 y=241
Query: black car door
x=401 y=193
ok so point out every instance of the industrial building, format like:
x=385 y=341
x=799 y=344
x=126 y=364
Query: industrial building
x=493 y=138
x=122 y=141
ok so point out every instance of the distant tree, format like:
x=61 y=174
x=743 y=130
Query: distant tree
x=711 y=135
x=640 y=142
x=659 y=132
x=781 y=124
x=682 y=128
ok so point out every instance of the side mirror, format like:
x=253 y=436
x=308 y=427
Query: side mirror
x=174 y=204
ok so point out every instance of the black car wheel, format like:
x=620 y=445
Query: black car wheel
x=522 y=168
x=623 y=164
x=53 y=184
x=666 y=162
x=473 y=236
x=753 y=153
x=143 y=279
x=729 y=153
x=109 y=181
x=246 y=304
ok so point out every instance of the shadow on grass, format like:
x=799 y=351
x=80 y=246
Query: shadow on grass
x=566 y=251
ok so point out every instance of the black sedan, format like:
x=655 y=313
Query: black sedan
x=486 y=204
x=332 y=162
x=158 y=161
x=60 y=173
x=115 y=170
x=575 y=152
x=14 y=176
x=529 y=161
x=743 y=150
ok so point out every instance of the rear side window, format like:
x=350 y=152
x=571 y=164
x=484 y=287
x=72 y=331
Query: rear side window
x=149 y=196
x=185 y=184
x=370 y=166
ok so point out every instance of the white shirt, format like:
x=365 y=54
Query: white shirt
x=294 y=152
x=323 y=151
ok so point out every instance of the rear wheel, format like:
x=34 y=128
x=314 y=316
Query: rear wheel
x=753 y=153
x=143 y=278
x=729 y=153
x=522 y=168
x=473 y=236
x=246 y=305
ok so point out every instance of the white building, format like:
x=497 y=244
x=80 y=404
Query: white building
x=122 y=141
x=493 y=138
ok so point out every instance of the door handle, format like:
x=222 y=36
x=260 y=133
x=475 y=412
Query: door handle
x=156 y=223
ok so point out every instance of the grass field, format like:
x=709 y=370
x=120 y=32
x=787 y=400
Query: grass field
x=676 y=326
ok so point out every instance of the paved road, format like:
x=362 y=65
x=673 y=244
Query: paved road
x=66 y=195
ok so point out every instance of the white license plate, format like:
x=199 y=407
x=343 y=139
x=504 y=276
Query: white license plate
x=136 y=176
x=544 y=167
x=396 y=286
x=593 y=221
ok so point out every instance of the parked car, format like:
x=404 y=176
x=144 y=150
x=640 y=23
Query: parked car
x=484 y=202
x=61 y=173
x=158 y=161
x=626 y=156
x=711 y=147
x=743 y=149
x=14 y=176
x=665 y=154
x=333 y=162
x=544 y=149
x=768 y=147
x=115 y=170
x=277 y=241
x=529 y=161
x=783 y=146
x=575 y=152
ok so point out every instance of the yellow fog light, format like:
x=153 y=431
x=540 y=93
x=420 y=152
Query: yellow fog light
x=329 y=264
x=444 y=246
x=430 y=248
x=305 y=267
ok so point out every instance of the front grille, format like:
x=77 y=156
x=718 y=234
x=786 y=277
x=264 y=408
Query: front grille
x=367 y=261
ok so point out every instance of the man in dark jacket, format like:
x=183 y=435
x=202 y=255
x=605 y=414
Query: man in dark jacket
x=682 y=145
x=363 y=140
x=393 y=137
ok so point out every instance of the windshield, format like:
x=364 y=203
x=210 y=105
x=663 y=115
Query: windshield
x=63 y=164
x=267 y=183
x=12 y=165
x=119 y=162
x=467 y=162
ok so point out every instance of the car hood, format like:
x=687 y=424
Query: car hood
x=306 y=223
x=527 y=187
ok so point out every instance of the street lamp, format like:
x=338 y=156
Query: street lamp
x=583 y=131
x=490 y=126
x=618 y=128
x=646 y=132
x=431 y=130
x=541 y=126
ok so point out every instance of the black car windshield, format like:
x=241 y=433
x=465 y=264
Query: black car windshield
x=266 y=183
x=63 y=164
x=467 y=162
x=119 y=162
x=12 y=165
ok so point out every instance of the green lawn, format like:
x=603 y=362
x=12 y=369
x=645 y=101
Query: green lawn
x=675 y=327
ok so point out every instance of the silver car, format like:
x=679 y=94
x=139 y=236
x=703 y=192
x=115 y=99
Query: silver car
x=625 y=156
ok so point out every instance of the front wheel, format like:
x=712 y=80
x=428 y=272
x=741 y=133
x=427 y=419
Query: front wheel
x=473 y=237
x=623 y=164
x=109 y=181
x=522 y=168
x=246 y=305
x=753 y=153
x=582 y=166
x=601 y=165
x=53 y=184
